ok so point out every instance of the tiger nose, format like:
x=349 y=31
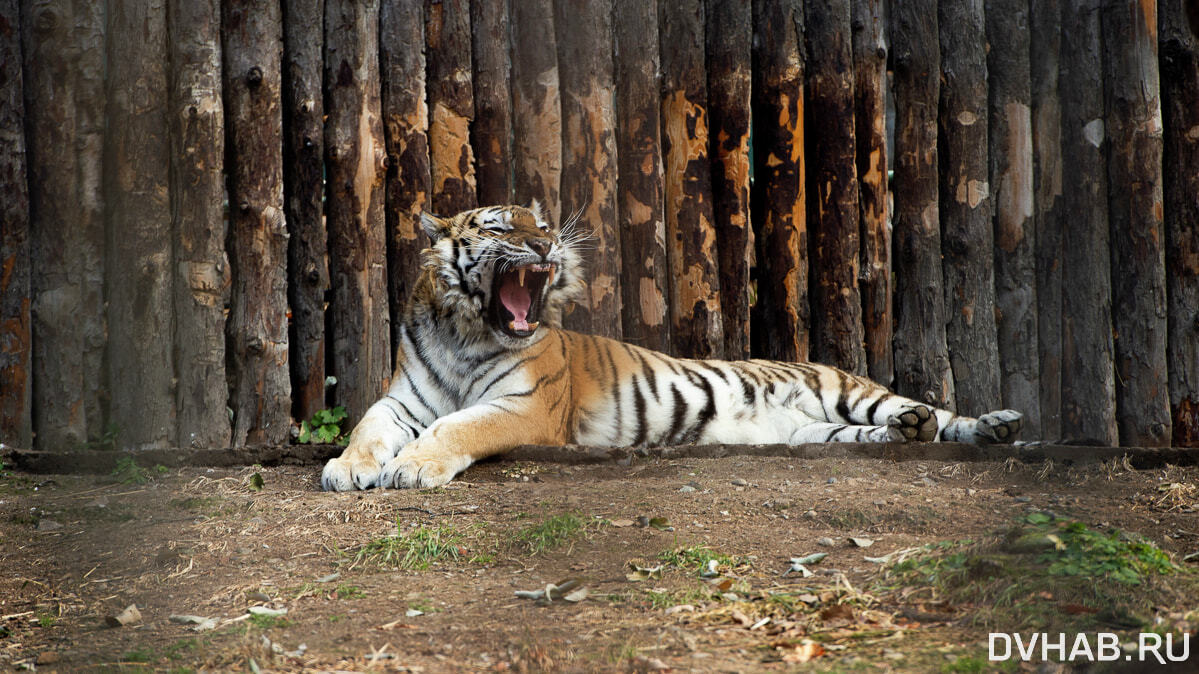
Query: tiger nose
x=540 y=246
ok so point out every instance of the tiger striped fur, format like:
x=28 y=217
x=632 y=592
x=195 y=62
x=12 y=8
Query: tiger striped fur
x=483 y=367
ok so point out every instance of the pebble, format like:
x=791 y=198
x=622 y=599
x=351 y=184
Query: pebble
x=1023 y=499
x=811 y=514
x=740 y=483
x=826 y=541
x=48 y=525
x=686 y=489
x=880 y=502
x=831 y=480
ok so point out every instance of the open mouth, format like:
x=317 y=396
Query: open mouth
x=516 y=298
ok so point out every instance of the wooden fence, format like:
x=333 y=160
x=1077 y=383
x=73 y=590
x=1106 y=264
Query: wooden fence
x=209 y=206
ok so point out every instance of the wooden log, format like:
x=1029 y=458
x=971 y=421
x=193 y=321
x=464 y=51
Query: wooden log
x=730 y=76
x=354 y=157
x=303 y=181
x=1133 y=122
x=451 y=105
x=491 y=130
x=406 y=126
x=138 y=282
x=1088 y=378
x=696 y=323
x=780 y=315
x=837 y=333
x=643 y=279
x=921 y=360
x=1012 y=183
x=536 y=107
x=1044 y=59
x=589 y=154
x=874 y=274
x=967 y=238
x=1179 y=51
x=201 y=283
x=16 y=320
x=260 y=390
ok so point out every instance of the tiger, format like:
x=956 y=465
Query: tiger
x=483 y=366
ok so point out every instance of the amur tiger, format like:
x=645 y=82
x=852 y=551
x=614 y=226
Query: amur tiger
x=483 y=367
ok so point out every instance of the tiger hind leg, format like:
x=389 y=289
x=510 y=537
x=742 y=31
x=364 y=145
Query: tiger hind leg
x=825 y=431
x=1000 y=426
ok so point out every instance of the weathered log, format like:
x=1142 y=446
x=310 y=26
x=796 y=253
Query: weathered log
x=780 y=315
x=730 y=76
x=138 y=282
x=16 y=321
x=201 y=283
x=1179 y=51
x=921 y=360
x=589 y=154
x=643 y=279
x=491 y=130
x=874 y=274
x=536 y=107
x=1133 y=122
x=354 y=157
x=837 y=333
x=1088 y=378
x=451 y=105
x=260 y=396
x=303 y=181
x=1015 y=235
x=696 y=324
x=1044 y=59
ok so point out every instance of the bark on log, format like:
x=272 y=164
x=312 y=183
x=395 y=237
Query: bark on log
x=354 y=157
x=536 y=107
x=303 y=180
x=730 y=76
x=260 y=385
x=874 y=275
x=201 y=283
x=406 y=126
x=491 y=131
x=1012 y=183
x=451 y=105
x=589 y=155
x=644 y=286
x=837 y=333
x=921 y=359
x=139 y=288
x=1133 y=123
x=780 y=315
x=967 y=238
x=16 y=321
x=1180 y=169
x=1088 y=378
x=696 y=324
x=1044 y=57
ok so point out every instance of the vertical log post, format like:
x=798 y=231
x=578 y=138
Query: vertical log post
x=1044 y=59
x=1133 y=122
x=921 y=359
x=16 y=346
x=730 y=76
x=451 y=105
x=965 y=202
x=491 y=130
x=837 y=335
x=139 y=277
x=201 y=271
x=536 y=107
x=1179 y=51
x=589 y=154
x=1088 y=378
x=643 y=280
x=1011 y=181
x=874 y=275
x=354 y=157
x=779 y=203
x=696 y=323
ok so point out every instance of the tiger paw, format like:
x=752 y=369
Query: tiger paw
x=418 y=468
x=914 y=422
x=350 y=471
x=999 y=426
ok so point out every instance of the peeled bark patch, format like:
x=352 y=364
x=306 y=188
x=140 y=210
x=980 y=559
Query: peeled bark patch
x=451 y=104
x=536 y=107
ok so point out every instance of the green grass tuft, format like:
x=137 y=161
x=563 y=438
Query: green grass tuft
x=416 y=550
x=551 y=533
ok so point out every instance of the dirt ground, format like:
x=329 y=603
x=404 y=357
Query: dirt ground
x=76 y=550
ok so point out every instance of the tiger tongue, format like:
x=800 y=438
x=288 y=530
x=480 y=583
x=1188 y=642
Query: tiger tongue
x=517 y=300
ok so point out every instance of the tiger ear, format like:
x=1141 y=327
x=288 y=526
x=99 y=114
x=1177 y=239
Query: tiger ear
x=540 y=214
x=434 y=226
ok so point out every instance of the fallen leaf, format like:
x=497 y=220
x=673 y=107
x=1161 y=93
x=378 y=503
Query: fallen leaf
x=837 y=612
x=862 y=542
x=622 y=523
x=256 y=482
x=267 y=611
x=125 y=618
x=804 y=652
x=809 y=559
x=660 y=523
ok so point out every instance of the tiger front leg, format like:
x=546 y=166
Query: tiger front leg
x=374 y=441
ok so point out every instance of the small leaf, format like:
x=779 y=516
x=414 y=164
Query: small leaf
x=660 y=523
x=256 y=482
x=809 y=559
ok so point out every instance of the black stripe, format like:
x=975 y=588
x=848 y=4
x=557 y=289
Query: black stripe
x=639 y=409
x=651 y=377
x=750 y=393
x=678 y=415
x=419 y=350
x=835 y=431
x=873 y=408
x=843 y=403
x=616 y=392
x=705 y=414
x=420 y=398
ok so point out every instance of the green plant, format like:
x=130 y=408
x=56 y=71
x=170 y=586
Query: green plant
x=128 y=472
x=46 y=620
x=324 y=427
x=698 y=558
x=551 y=533
x=105 y=441
x=266 y=622
x=418 y=549
x=145 y=654
x=349 y=592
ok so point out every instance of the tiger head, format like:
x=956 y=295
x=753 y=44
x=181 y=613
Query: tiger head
x=503 y=269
